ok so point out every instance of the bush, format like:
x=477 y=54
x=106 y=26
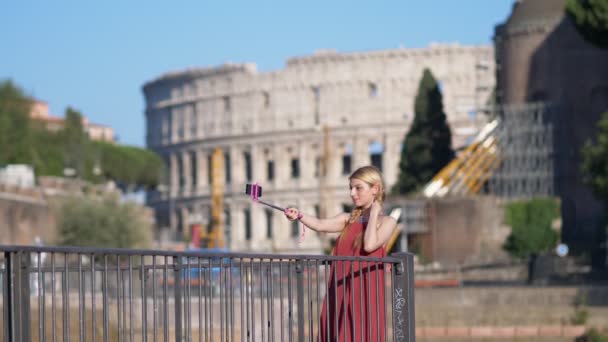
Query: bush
x=102 y=222
x=580 y=315
x=593 y=335
x=531 y=231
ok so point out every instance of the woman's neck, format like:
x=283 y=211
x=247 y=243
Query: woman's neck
x=365 y=214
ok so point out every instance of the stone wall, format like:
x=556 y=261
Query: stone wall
x=460 y=231
x=28 y=214
x=509 y=306
x=24 y=216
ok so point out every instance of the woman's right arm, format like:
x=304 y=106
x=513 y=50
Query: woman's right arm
x=329 y=225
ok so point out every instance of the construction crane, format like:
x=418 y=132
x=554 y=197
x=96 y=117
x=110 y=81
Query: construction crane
x=214 y=236
x=466 y=174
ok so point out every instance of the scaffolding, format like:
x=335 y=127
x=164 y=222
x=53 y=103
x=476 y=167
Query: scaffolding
x=526 y=149
x=512 y=157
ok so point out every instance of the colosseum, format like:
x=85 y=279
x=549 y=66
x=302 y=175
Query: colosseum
x=278 y=128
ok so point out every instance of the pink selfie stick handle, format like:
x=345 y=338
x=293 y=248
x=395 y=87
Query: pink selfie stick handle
x=255 y=196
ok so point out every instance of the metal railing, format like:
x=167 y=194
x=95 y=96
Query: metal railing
x=90 y=294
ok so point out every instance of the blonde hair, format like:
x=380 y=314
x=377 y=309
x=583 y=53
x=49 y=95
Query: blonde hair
x=371 y=175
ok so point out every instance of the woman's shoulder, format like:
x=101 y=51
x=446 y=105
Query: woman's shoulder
x=383 y=219
x=387 y=218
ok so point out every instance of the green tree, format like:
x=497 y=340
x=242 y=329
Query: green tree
x=427 y=147
x=595 y=161
x=47 y=154
x=591 y=19
x=75 y=142
x=25 y=142
x=131 y=167
x=531 y=230
x=102 y=222
x=15 y=137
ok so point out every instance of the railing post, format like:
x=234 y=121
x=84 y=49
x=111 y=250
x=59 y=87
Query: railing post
x=16 y=297
x=177 y=263
x=404 y=328
x=8 y=297
x=300 y=290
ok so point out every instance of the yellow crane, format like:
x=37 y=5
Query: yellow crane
x=466 y=174
x=214 y=237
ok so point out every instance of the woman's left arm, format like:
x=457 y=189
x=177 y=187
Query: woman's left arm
x=384 y=226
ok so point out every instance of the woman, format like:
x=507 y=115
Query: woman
x=354 y=306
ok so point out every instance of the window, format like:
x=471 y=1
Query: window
x=227 y=226
x=180 y=122
x=316 y=92
x=266 y=96
x=168 y=125
x=209 y=168
x=373 y=90
x=180 y=171
x=227 y=167
x=247 y=219
x=317 y=166
x=295 y=228
x=295 y=168
x=347 y=208
x=248 y=172
x=210 y=225
x=227 y=104
x=268 y=223
x=375 y=150
x=377 y=160
x=167 y=175
x=180 y=222
x=270 y=170
x=346 y=164
x=193 y=167
x=194 y=120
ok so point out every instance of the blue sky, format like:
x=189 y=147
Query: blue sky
x=95 y=56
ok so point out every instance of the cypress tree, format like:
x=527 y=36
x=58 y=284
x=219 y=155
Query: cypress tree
x=428 y=145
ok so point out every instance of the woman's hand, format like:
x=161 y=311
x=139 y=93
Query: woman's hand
x=292 y=214
x=375 y=209
x=379 y=228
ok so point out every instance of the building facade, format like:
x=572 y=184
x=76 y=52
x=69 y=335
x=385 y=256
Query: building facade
x=277 y=128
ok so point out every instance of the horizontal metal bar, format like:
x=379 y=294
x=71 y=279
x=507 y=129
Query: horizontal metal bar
x=147 y=252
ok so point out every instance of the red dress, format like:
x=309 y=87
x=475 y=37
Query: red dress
x=355 y=293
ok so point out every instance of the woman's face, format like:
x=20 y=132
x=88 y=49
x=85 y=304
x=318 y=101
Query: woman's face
x=361 y=193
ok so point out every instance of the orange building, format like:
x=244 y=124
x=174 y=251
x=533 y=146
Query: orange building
x=39 y=112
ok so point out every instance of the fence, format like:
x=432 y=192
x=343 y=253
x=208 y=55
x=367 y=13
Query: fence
x=88 y=294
